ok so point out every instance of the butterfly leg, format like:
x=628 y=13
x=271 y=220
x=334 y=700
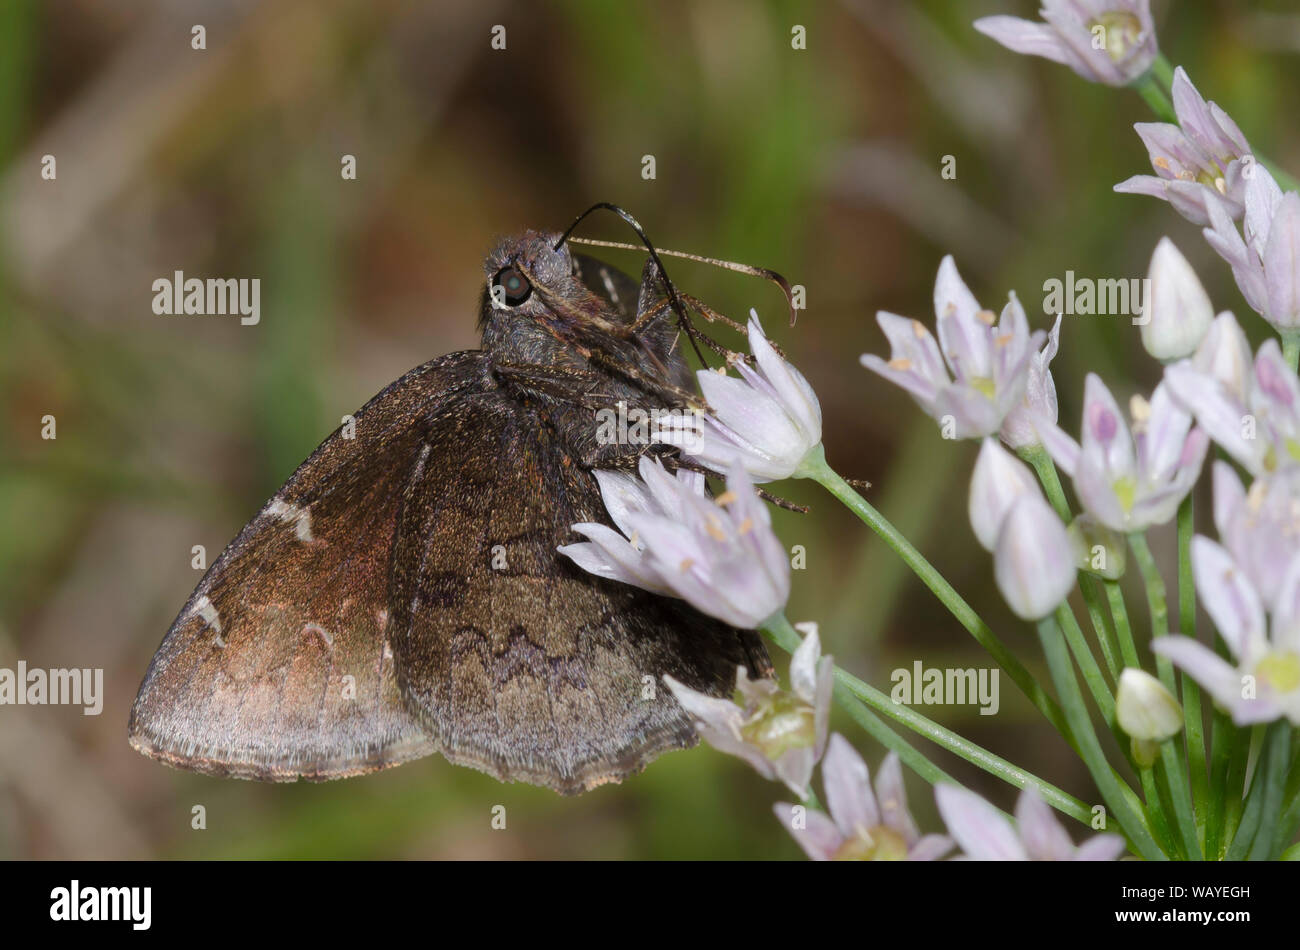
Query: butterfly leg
x=651 y=309
x=654 y=302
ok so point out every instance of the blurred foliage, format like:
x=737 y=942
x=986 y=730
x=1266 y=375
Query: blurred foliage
x=822 y=163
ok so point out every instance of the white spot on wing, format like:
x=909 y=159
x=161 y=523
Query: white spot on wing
x=207 y=612
x=286 y=511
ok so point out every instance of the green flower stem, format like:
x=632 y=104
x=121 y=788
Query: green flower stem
x=1265 y=791
x=1193 y=721
x=1279 y=761
x=1286 y=831
x=1162 y=809
x=1163 y=71
x=1123 y=629
x=1148 y=87
x=1177 y=767
x=1092 y=674
x=782 y=633
x=1134 y=802
x=1042 y=464
x=1290 y=348
x=1045 y=468
x=1155 y=803
x=1156 y=603
x=1179 y=800
x=1092 y=595
x=1227 y=763
x=1130 y=818
x=1290 y=820
x=1157 y=810
x=816 y=468
x=1236 y=793
x=1223 y=735
x=1292 y=793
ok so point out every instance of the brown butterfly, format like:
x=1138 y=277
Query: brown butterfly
x=401 y=594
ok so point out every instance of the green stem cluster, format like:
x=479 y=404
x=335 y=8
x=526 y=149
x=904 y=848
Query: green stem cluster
x=863 y=701
x=1190 y=806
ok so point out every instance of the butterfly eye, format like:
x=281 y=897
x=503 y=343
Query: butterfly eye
x=514 y=286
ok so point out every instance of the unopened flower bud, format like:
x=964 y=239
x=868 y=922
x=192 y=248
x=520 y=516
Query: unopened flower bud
x=1177 y=313
x=1145 y=709
x=1033 y=562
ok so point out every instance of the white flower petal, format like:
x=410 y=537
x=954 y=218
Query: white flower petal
x=1229 y=598
x=979 y=829
x=1041 y=834
x=848 y=789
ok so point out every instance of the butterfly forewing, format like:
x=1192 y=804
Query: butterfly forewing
x=278 y=667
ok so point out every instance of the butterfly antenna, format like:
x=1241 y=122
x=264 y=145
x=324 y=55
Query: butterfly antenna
x=749 y=269
x=674 y=299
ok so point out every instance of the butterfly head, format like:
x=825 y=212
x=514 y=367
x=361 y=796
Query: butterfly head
x=534 y=286
x=524 y=270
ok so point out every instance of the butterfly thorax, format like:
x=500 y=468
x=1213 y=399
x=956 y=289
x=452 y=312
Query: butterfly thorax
x=563 y=337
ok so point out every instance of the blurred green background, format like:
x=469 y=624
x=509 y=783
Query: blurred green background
x=821 y=163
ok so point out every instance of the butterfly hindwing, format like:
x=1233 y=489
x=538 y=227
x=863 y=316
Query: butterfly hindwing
x=278 y=667
x=519 y=663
